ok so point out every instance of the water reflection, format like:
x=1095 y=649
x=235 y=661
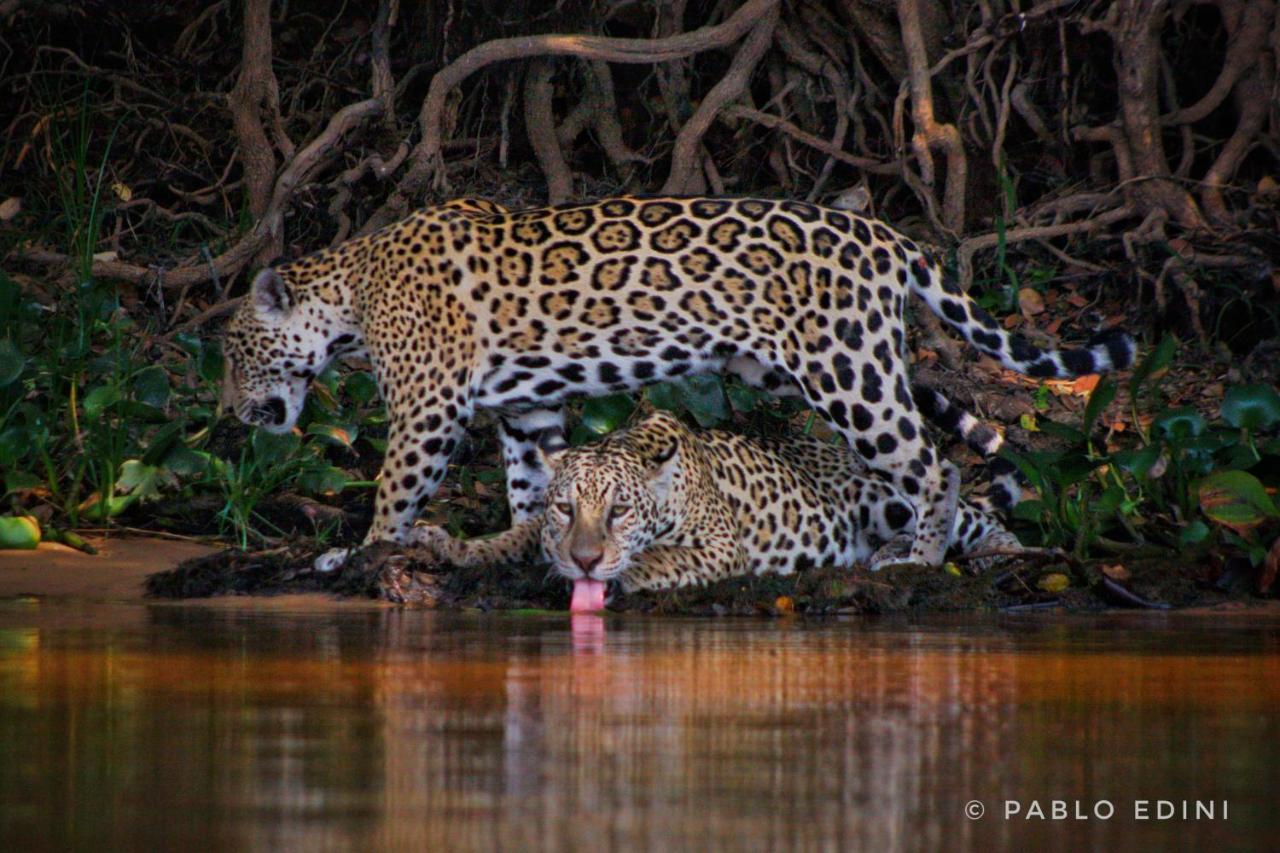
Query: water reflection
x=160 y=726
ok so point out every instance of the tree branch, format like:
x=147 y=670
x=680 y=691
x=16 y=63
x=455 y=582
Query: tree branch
x=425 y=159
x=684 y=156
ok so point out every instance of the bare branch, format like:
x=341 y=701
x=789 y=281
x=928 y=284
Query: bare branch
x=540 y=126
x=684 y=156
x=425 y=159
x=929 y=134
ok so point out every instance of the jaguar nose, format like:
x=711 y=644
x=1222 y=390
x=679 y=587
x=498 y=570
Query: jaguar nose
x=587 y=560
x=275 y=408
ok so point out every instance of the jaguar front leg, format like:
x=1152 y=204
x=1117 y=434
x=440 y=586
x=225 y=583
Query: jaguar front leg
x=520 y=544
x=419 y=445
x=522 y=434
x=662 y=566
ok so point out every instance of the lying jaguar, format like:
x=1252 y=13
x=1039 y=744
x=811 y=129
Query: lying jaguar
x=467 y=306
x=658 y=505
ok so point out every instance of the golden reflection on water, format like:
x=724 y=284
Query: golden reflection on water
x=132 y=726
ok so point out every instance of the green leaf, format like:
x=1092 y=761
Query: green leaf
x=663 y=395
x=1099 y=398
x=744 y=398
x=1194 y=533
x=1181 y=424
x=15 y=442
x=163 y=442
x=326 y=480
x=603 y=415
x=1028 y=510
x=17 y=481
x=1041 y=399
x=151 y=386
x=145 y=481
x=580 y=435
x=343 y=434
x=210 y=364
x=361 y=387
x=192 y=344
x=703 y=396
x=186 y=462
x=1251 y=407
x=136 y=411
x=1075 y=468
x=269 y=447
x=1156 y=360
x=1137 y=462
x=1235 y=499
x=1109 y=501
x=96 y=509
x=11 y=363
x=99 y=400
x=1057 y=430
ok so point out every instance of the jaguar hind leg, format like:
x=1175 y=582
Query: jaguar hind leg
x=931 y=549
x=867 y=398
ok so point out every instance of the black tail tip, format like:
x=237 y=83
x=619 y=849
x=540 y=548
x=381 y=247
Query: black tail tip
x=1120 y=347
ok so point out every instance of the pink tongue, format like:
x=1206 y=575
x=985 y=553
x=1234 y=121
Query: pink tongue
x=588 y=595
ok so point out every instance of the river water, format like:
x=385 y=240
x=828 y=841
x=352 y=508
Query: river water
x=130 y=726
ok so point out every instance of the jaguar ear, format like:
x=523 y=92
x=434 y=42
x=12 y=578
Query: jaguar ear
x=551 y=450
x=271 y=296
x=664 y=466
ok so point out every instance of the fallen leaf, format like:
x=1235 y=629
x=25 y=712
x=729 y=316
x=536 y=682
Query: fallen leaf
x=122 y=191
x=1267 y=185
x=1030 y=301
x=1054 y=582
x=784 y=604
x=1076 y=300
x=1116 y=571
x=10 y=208
x=1084 y=385
x=1027 y=420
x=1012 y=321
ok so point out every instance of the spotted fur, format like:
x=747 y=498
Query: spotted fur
x=466 y=306
x=658 y=505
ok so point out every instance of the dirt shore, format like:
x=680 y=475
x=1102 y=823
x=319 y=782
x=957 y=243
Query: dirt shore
x=116 y=572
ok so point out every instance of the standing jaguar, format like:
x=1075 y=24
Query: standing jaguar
x=468 y=306
x=658 y=505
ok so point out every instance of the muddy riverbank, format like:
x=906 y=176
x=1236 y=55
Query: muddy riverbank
x=408 y=577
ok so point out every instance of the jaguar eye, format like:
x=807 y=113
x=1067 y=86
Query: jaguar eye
x=618 y=511
x=565 y=509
